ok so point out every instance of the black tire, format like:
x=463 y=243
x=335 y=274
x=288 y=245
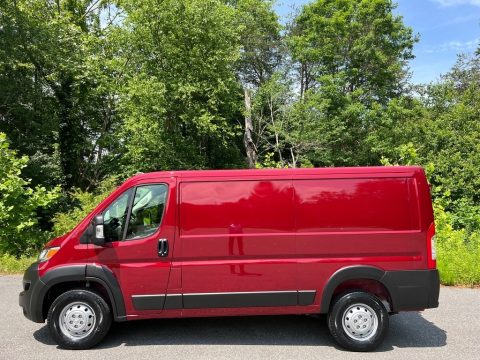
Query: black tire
x=102 y=316
x=336 y=321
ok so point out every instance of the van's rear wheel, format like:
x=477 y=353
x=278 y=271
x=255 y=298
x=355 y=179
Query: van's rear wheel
x=358 y=321
x=79 y=319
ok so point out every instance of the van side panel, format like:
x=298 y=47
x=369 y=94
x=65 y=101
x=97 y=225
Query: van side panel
x=356 y=221
x=236 y=236
x=342 y=205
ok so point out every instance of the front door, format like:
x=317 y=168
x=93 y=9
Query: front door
x=139 y=228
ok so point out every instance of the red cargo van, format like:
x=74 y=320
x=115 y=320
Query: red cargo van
x=356 y=244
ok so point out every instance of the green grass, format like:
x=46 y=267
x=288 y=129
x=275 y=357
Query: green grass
x=11 y=265
x=458 y=251
x=459 y=262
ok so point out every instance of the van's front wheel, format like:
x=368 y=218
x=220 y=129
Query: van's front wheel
x=79 y=319
x=358 y=321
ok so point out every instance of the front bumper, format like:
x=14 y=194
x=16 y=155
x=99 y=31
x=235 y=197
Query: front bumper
x=31 y=294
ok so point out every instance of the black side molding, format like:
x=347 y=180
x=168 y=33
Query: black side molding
x=148 y=302
x=306 y=297
x=173 y=301
x=240 y=299
x=224 y=300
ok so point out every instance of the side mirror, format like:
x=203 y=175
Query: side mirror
x=98 y=236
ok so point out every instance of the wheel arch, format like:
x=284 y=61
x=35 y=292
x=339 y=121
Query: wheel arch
x=84 y=276
x=351 y=274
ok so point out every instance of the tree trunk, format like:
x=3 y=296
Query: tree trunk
x=294 y=159
x=302 y=80
x=277 y=137
x=248 y=135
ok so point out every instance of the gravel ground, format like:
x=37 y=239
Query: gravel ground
x=449 y=332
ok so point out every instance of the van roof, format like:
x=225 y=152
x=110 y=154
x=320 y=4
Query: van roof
x=190 y=174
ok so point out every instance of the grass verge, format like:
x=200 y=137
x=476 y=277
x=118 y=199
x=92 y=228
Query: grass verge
x=11 y=265
x=459 y=263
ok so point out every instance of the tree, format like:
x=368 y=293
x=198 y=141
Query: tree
x=351 y=57
x=271 y=113
x=27 y=110
x=180 y=99
x=360 y=42
x=57 y=106
x=450 y=134
x=260 y=57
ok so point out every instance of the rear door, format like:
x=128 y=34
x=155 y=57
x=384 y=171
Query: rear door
x=139 y=227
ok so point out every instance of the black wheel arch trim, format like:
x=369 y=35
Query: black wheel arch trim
x=82 y=272
x=344 y=274
x=105 y=276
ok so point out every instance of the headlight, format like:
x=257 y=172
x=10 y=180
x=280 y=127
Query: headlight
x=47 y=253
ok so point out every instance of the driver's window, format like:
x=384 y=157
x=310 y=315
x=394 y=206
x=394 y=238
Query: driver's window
x=147 y=211
x=115 y=216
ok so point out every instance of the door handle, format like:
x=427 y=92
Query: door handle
x=163 y=247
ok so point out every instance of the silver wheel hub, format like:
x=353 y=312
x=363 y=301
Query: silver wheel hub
x=77 y=320
x=360 y=322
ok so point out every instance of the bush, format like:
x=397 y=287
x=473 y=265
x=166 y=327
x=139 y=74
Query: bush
x=19 y=204
x=11 y=265
x=84 y=203
x=458 y=251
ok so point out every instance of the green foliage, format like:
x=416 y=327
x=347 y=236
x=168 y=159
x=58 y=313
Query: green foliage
x=12 y=265
x=351 y=59
x=84 y=202
x=19 y=232
x=55 y=86
x=180 y=97
x=458 y=251
x=360 y=42
x=269 y=162
x=260 y=39
x=450 y=135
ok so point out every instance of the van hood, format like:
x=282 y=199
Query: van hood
x=57 y=241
